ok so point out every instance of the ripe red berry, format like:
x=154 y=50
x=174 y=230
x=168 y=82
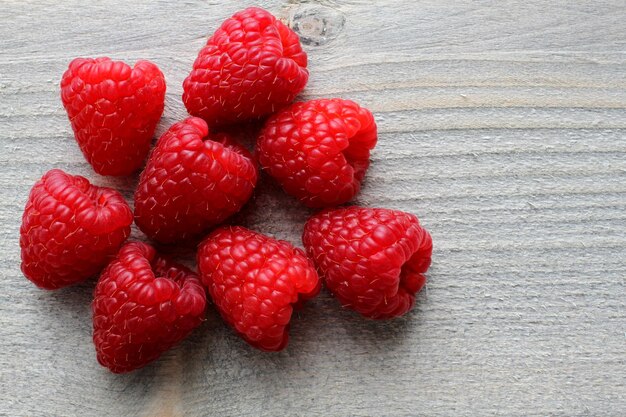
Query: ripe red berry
x=319 y=150
x=372 y=260
x=70 y=229
x=251 y=66
x=192 y=181
x=114 y=110
x=143 y=305
x=255 y=281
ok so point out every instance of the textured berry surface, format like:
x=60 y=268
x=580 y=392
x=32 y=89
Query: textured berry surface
x=319 y=150
x=70 y=229
x=114 y=110
x=255 y=281
x=251 y=66
x=143 y=305
x=192 y=181
x=372 y=260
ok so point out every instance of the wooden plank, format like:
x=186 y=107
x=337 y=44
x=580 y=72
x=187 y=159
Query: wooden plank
x=502 y=126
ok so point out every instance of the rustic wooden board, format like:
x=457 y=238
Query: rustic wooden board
x=502 y=126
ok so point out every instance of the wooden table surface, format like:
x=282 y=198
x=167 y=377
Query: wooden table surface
x=502 y=125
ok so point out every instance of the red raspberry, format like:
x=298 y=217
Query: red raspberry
x=143 y=305
x=372 y=260
x=70 y=229
x=192 y=182
x=251 y=66
x=114 y=110
x=318 y=150
x=255 y=281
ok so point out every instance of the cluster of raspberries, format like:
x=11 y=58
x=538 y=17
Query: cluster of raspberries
x=372 y=260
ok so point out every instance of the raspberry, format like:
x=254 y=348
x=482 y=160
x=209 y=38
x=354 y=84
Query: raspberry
x=70 y=229
x=255 y=281
x=372 y=260
x=318 y=150
x=114 y=110
x=251 y=66
x=192 y=181
x=143 y=305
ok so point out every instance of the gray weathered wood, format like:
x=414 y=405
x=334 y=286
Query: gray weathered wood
x=502 y=126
